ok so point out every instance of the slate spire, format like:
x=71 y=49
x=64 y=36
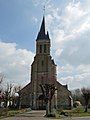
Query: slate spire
x=42 y=35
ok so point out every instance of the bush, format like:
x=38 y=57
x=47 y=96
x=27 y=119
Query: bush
x=3 y=111
x=77 y=104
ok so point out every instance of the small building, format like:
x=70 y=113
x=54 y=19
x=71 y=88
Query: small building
x=43 y=71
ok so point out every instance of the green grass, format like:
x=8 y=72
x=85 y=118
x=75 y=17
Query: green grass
x=80 y=112
x=13 y=113
x=77 y=112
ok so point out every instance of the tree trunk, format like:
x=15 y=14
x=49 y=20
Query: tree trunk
x=86 y=108
x=0 y=102
x=46 y=108
x=6 y=104
x=50 y=106
x=86 y=105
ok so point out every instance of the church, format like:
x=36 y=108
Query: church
x=43 y=71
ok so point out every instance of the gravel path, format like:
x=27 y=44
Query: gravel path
x=32 y=115
x=38 y=115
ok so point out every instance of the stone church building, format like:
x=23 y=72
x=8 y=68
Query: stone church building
x=43 y=71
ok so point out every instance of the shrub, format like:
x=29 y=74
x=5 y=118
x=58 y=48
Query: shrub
x=3 y=111
x=77 y=104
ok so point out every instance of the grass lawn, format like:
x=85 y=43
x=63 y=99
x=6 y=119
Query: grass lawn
x=12 y=113
x=77 y=112
x=80 y=112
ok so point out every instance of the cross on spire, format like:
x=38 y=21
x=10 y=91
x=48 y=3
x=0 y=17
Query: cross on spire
x=43 y=35
x=44 y=10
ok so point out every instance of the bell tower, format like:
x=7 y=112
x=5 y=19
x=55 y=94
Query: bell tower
x=43 y=68
x=43 y=40
x=43 y=71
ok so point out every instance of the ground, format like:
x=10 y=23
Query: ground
x=39 y=115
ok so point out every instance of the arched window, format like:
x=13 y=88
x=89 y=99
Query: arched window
x=42 y=63
x=40 y=48
x=44 y=48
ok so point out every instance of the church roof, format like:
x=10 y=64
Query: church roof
x=42 y=35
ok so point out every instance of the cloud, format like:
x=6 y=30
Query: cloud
x=69 y=29
x=15 y=63
x=77 y=81
x=70 y=35
x=40 y=2
x=35 y=19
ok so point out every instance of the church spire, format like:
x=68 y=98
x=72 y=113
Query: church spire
x=42 y=35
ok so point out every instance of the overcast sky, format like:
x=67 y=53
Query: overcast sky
x=68 y=23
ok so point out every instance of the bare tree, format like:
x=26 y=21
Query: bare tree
x=77 y=96
x=48 y=91
x=7 y=94
x=2 y=76
x=17 y=96
x=86 y=96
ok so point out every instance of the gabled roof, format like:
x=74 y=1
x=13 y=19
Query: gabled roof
x=42 y=35
x=65 y=87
